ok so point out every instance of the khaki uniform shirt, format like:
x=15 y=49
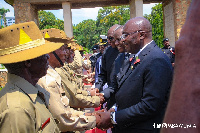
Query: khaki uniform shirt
x=86 y=64
x=78 y=98
x=68 y=118
x=76 y=65
x=21 y=108
x=74 y=77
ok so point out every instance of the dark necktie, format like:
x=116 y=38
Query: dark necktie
x=126 y=60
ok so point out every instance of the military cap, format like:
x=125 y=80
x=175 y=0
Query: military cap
x=56 y=35
x=24 y=41
x=165 y=39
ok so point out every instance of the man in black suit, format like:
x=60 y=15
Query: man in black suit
x=109 y=93
x=108 y=58
x=143 y=86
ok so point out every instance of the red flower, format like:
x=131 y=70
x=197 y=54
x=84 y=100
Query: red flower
x=131 y=59
x=137 y=61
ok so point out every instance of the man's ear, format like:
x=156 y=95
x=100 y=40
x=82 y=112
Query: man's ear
x=28 y=63
x=142 y=35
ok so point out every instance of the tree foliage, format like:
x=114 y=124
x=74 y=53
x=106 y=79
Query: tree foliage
x=48 y=20
x=3 y=12
x=156 y=20
x=88 y=31
x=85 y=33
x=108 y=16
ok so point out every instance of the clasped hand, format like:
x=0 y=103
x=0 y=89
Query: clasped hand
x=95 y=92
x=103 y=120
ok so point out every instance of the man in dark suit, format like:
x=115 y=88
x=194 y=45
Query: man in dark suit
x=108 y=58
x=109 y=93
x=143 y=86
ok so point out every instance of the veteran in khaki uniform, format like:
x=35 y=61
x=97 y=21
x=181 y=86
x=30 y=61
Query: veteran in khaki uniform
x=22 y=102
x=68 y=118
x=78 y=64
x=78 y=98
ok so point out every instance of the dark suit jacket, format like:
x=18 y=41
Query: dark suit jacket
x=112 y=88
x=108 y=58
x=143 y=92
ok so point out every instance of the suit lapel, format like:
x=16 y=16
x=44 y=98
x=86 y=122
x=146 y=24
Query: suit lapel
x=141 y=56
x=123 y=69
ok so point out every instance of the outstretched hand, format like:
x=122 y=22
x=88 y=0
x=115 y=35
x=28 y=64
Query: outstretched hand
x=105 y=120
x=101 y=96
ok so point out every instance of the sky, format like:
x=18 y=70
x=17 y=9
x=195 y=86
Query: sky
x=78 y=15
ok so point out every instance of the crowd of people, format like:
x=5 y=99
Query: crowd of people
x=123 y=87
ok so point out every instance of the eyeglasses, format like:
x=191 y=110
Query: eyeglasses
x=110 y=38
x=124 y=36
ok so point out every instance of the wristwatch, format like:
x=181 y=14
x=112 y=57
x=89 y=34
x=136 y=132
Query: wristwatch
x=112 y=118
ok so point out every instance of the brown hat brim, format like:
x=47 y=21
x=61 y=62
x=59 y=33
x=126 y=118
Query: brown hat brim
x=30 y=53
x=58 y=40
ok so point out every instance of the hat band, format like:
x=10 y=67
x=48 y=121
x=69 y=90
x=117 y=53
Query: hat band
x=18 y=48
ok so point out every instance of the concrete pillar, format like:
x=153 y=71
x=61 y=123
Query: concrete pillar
x=169 y=21
x=67 y=14
x=25 y=12
x=174 y=12
x=136 y=8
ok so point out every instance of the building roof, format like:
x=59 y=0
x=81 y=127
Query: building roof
x=76 y=4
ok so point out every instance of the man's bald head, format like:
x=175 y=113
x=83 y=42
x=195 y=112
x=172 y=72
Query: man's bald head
x=112 y=29
x=137 y=33
x=110 y=35
x=140 y=24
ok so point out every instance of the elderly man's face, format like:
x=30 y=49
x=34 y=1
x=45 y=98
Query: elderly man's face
x=131 y=38
x=39 y=66
x=70 y=57
x=119 y=44
x=110 y=38
x=61 y=54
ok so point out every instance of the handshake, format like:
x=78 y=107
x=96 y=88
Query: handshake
x=95 y=92
x=103 y=118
